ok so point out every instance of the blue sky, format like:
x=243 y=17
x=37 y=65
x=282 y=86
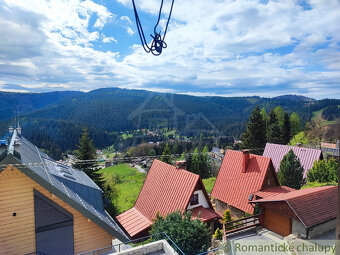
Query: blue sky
x=217 y=47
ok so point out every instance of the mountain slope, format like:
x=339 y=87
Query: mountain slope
x=60 y=116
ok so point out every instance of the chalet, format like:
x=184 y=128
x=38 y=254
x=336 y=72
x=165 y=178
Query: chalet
x=243 y=175
x=306 y=156
x=167 y=189
x=306 y=213
x=47 y=207
x=330 y=149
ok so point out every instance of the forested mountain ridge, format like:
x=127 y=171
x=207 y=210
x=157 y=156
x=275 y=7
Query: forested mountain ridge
x=58 y=117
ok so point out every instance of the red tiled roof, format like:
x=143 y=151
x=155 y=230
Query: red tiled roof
x=234 y=187
x=328 y=145
x=165 y=190
x=272 y=191
x=306 y=156
x=312 y=206
x=204 y=214
x=133 y=221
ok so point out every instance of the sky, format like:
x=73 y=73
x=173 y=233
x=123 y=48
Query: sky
x=215 y=47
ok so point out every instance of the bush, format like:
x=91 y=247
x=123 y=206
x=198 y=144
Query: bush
x=324 y=171
x=218 y=234
x=191 y=236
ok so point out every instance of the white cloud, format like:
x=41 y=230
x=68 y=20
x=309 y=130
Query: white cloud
x=126 y=18
x=214 y=47
x=108 y=39
x=130 y=31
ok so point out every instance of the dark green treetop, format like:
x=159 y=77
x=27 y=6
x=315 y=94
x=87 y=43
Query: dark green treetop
x=291 y=172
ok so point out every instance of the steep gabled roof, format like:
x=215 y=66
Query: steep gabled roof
x=72 y=186
x=306 y=156
x=312 y=205
x=166 y=189
x=232 y=186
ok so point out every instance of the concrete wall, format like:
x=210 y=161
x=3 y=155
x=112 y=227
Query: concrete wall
x=221 y=207
x=158 y=246
x=202 y=201
x=321 y=228
x=300 y=230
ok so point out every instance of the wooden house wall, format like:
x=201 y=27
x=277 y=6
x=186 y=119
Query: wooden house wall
x=17 y=233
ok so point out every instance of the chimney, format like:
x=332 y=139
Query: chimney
x=245 y=160
x=337 y=144
x=181 y=164
x=11 y=129
x=298 y=145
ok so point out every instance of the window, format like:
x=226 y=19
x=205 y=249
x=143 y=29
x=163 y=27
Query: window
x=194 y=199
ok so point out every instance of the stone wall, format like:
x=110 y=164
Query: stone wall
x=221 y=207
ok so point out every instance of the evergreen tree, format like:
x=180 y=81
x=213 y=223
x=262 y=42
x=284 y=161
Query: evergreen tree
x=295 y=124
x=86 y=155
x=196 y=162
x=264 y=115
x=166 y=156
x=205 y=166
x=279 y=113
x=285 y=130
x=291 y=172
x=254 y=138
x=152 y=153
x=273 y=129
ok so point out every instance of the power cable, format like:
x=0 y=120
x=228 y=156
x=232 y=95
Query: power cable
x=158 y=43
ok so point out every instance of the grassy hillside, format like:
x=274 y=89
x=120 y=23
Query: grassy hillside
x=129 y=183
x=318 y=119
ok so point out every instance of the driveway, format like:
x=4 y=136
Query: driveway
x=255 y=242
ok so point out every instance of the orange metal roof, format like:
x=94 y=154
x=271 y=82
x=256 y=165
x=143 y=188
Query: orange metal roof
x=312 y=206
x=204 y=214
x=166 y=189
x=234 y=187
x=133 y=221
x=272 y=191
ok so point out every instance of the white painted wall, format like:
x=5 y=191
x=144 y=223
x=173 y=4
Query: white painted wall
x=202 y=201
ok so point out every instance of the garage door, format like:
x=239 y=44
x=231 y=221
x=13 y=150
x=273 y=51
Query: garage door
x=277 y=223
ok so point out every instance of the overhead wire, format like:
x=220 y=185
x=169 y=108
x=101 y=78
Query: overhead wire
x=158 y=43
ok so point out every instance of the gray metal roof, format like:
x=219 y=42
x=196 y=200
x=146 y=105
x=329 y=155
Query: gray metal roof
x=217 y=151
x=71 y=185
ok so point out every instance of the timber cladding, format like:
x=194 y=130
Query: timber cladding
x=17 y=224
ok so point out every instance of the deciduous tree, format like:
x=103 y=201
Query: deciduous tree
x=323 y=171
